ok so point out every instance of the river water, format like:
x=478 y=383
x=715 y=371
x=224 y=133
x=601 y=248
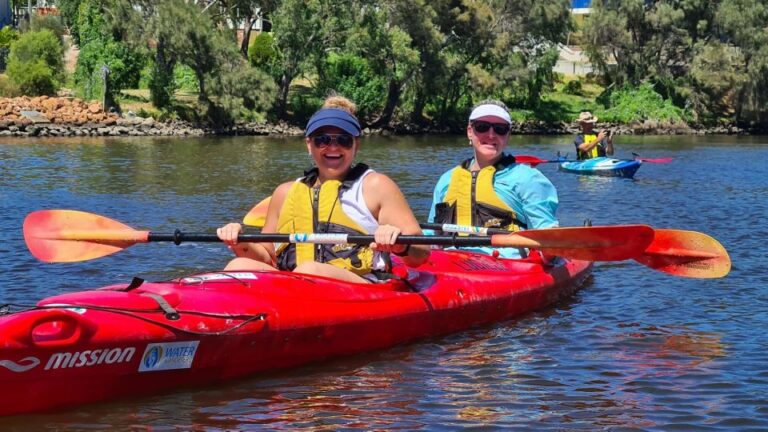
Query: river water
x=634 y=350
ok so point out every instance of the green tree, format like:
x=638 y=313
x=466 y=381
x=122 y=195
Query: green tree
x=69 y=10
x=746 y=24
x=388 y=49
x=297 y=31
x=100 y=51
x=186 y=33
x=707 y=55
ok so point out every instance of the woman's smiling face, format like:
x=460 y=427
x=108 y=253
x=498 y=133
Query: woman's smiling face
x=332 y=157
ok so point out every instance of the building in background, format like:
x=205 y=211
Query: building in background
x=6 y=15
x=580 y=7
x=572 y=60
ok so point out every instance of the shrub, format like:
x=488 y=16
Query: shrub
x=48 y=22
x=573 y=87
x=7 y=88
x=42 y=45
x=184 y=78
x=124 y=66
x=243 y=93
x=32 y=78
x=262 y=52
x=630 y=104
x=303 y=102
x=99 y=49
x=353 y=77
x=36 y=62
x=7 y=36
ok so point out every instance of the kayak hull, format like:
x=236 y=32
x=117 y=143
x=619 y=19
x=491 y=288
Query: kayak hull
x=603 y=166
x=142 y=339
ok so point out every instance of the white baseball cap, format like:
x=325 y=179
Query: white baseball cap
x=490 y=110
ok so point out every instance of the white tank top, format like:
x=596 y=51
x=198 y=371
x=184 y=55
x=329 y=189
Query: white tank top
x=353 y=204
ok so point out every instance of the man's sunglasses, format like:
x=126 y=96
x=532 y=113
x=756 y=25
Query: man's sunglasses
x=324 y=140
x=483 y=127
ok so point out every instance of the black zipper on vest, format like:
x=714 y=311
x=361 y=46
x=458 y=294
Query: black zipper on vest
x=315 y=211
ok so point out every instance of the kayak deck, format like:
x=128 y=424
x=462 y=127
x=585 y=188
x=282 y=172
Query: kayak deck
x=603 y=166
x=144 y=338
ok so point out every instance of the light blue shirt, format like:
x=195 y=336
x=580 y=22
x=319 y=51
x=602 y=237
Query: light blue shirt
x=524 y=189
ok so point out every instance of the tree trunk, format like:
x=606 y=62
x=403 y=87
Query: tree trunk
x=420 y=101
x=393 y=98
x=161 y=80
x=249 y=20
x=282 y=98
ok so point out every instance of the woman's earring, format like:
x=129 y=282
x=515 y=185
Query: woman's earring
x=470 y=143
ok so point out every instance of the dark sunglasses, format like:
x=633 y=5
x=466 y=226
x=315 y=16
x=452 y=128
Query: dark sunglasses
x=324 y=140
x=483 y=127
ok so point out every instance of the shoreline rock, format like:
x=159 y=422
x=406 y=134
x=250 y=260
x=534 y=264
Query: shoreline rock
x=45 y=116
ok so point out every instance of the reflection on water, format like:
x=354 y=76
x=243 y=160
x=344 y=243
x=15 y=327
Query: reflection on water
x=634 y=350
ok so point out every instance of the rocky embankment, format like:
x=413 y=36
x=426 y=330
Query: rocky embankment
x=65 y=116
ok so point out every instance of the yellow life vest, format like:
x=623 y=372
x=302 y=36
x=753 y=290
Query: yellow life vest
x=309 y=209
x=472 y=200
x=596 y=151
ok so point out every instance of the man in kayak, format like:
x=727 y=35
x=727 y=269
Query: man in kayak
x=490 y=189
x=588 y=144
x=335 y=196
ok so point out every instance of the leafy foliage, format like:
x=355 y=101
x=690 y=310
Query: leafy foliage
x=50 y=22
x=354 y=77
x=69 y=10
x=36 y=63
x=262 y=53
x=102 y=55
x=7 y=36
x=642 y=103
x=573 y=87
x=32 y=78
x=706 y=55
x=177 y=32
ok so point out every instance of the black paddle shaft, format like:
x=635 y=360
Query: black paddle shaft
x=179 y=237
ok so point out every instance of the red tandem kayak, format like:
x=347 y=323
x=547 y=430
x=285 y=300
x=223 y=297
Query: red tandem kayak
x=144 y=338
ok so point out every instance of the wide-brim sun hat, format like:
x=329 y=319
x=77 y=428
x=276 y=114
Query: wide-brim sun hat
x=333 y=117
x=586 y=117
x=486 y=110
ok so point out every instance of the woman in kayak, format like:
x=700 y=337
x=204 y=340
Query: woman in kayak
x=490 y=189
x=334 y=196
x=588 y=144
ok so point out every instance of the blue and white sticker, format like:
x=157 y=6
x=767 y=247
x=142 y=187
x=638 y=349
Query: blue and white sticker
x=319 y=238
x=168 y=356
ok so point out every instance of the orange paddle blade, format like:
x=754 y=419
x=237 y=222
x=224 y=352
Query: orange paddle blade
x=258 y=214
x=71 y=235
x=686 y=253
x=596 y=243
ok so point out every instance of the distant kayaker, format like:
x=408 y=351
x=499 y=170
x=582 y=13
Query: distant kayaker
x=490 y=189
x=588 y=144
x=334 y=196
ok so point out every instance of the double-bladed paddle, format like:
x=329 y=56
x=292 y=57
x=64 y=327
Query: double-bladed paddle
x=677 y=252
x=533 y=160
x=70 y=236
